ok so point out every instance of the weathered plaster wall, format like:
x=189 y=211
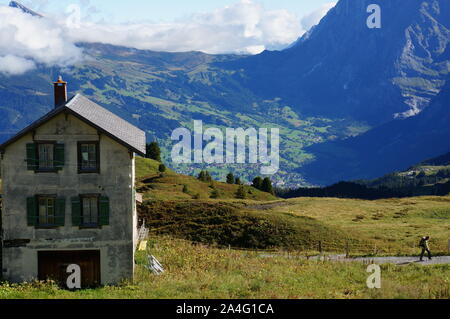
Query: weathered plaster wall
x=116 y=180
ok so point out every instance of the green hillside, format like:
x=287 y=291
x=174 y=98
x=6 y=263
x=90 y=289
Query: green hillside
x=418 y=178
x=173 y=186
x=226 y=220
x=431 y=177
x=360 y=227
x=443 y=160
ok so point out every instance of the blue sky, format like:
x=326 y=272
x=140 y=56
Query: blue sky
x=163 y=10
x=168 y=10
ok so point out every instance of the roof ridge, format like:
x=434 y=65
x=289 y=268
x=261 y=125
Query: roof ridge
x=109 y=122
x=78 y=96
x=73 y=98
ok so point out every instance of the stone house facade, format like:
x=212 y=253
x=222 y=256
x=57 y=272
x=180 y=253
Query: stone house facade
x=69 y=194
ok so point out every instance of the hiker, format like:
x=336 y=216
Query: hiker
x=425 y=248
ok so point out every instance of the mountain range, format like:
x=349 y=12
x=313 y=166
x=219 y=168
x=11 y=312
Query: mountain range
x=15 y=4
x=341 y=67
x=389 y=147
x=351 y=102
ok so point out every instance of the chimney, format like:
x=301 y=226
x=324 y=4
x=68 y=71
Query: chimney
x=60 y=92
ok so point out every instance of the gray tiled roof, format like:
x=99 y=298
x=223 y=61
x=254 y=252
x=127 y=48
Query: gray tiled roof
x=95 y=115
x=108 y=121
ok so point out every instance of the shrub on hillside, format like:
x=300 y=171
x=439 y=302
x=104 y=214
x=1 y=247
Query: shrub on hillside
x=240 y=194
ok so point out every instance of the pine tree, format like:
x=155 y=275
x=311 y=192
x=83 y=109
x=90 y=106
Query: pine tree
x=162 y=168
x=153 y=151
x=237 y=181
x=267 y=186
x=230 y=178
x=257 y=182
x=202 y=176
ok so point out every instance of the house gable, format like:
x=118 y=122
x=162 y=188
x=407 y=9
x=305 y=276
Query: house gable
x=99 y=118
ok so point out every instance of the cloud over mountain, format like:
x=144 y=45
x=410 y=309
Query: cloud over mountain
x=26 y=41
x=244 y=27
x=313 y=18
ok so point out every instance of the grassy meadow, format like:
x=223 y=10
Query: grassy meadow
x=214 y=247
x=359 y=227
x=390 y=226
x=198 y=271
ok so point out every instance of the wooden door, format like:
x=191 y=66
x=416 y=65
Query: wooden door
x=53 y=265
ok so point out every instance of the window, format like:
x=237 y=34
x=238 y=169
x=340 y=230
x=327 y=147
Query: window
x=46 y=211
x=88 y=157
x=89 y=210
x=45 y=156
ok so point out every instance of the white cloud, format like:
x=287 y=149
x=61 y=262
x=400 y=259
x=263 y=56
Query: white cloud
x=244 y=27
x=11 y=64
x=26 y=41
x=313 y=18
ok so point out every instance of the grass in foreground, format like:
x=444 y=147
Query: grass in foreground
x=195 y=271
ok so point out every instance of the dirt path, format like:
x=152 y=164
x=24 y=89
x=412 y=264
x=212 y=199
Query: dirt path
x=374 y=260
x=406 y=260
x=268 y=206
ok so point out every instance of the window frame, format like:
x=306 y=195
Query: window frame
x=97 y=158
x=45 y=170
x=83 y=225
x=39 y=225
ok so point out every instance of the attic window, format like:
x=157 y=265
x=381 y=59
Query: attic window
x=45 y=156
x=88 y=157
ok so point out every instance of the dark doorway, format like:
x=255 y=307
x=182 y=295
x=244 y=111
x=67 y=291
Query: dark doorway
x=53 y=265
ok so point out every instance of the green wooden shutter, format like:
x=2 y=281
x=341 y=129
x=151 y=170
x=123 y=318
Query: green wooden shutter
x=58 y=158
x=76 y=211
x=104 y=211
x=32 y=217
x=60 y=217
x=31 y=157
